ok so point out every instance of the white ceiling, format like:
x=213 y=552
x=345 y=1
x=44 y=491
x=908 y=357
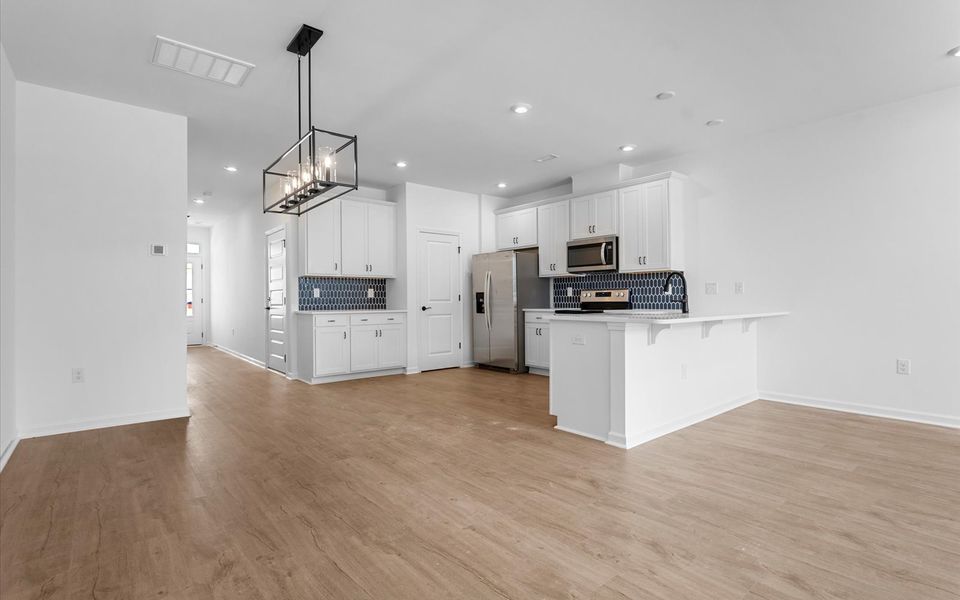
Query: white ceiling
x=430 y=81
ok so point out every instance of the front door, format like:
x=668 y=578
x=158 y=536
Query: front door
x=441 y=318
x=277 y=301
x=194 y=299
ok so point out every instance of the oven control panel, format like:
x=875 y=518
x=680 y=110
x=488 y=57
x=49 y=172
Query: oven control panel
x=593 y=296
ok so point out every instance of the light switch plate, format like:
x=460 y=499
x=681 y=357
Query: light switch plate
x=738 y=288
x=903 y=366
x=710 y=288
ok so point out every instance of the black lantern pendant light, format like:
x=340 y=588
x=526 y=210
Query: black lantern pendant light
x=321 y=165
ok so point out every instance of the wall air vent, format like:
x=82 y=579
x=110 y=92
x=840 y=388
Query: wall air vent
x=191 y=60
x=546 y=157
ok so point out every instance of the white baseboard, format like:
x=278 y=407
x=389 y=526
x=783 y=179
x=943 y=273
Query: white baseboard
x=241 y=356
x=599 y=438
x=8 y=452
x=351 y=376
x=631 y=441
x=864 y=409
x=468 y=365
x=72 y=426
x=410 y=371
x=539 y=371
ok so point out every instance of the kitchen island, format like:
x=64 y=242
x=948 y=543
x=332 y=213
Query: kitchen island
x=627 y=378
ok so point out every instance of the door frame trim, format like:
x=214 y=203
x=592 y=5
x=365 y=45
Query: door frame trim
x=266 y=287
x=459 y=236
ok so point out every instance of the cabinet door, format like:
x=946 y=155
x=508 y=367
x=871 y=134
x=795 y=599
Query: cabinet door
x=323 y=239
x=545 y=346
x=353 y=217
x=632 y=241
x=546 y=216
x=526 y=227
x=581 y=218
x=363 y=347
x=531 y=345
x=331 y=354
x=506 y=231
x=392 y=346
x=655 y=226
x=382 y=240
x=605 y=213
x=560 y=236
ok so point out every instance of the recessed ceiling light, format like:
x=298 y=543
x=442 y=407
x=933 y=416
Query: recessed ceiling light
x=198 y=200
x=198 y=62
x=401 y=164
x=521 y=108
x=628 y=148
x=955 y=52
x=501 y=185
x=230 y=168
x=666 y=95
x=546 y=157
x=715 y=122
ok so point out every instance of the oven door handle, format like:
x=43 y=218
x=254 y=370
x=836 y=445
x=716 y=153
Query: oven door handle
x=603 y=253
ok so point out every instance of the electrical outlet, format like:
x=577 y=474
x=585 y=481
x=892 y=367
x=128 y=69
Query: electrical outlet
x=316 y=292
x=683 y=370
x=569 y=292
x=710 y=288
x=738 y=288
x=369 y=292
x=77 y=375
x=903 y=366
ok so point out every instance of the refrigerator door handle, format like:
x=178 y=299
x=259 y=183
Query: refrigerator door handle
x=487 y=280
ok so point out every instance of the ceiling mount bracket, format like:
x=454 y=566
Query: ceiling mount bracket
x=304 y=40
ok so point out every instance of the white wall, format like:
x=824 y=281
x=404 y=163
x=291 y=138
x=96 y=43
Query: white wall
x=238 y=279
x=201 y=235
x=428 y=208
x=98 y=182
x=8 y=404
x=853 y=225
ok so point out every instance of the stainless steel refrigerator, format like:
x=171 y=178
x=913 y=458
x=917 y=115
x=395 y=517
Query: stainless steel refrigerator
x=504 y=283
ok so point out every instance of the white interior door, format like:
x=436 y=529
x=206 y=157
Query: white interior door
x=277 y=301
x=194 y=301
x=440 y=320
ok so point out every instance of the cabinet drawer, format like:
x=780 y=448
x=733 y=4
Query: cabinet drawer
x=329 y=320
x=377 y=319
x=537 y=317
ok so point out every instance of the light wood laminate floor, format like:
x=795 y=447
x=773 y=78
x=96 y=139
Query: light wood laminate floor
x=453 y=484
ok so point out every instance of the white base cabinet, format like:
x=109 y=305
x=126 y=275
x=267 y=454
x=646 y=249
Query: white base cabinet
x=537 y=340
x=337 y=346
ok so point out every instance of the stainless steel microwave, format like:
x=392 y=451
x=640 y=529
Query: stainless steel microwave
x=594 y=254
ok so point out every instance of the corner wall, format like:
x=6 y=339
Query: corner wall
x=853 y=225
x=98 y=182
x=8 y=401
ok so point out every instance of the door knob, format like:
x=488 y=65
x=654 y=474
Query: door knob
x=425 y=307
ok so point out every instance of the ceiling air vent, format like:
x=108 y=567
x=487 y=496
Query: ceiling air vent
x=199 y=62
x=546 y=158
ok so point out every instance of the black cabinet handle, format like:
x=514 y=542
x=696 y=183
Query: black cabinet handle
x=424 y=308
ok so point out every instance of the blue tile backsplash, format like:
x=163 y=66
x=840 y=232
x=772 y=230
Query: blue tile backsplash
x=342 y=293
x=646 y=289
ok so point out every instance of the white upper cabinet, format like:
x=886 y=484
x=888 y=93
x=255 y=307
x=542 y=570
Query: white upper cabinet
x=368 y=239
x=651 y=233
x=322 y=240
x=517 y=229
x=594 y=215
x=553 y=232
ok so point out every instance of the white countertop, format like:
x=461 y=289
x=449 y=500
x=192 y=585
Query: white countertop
x=351 y=312
x=663 y=317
